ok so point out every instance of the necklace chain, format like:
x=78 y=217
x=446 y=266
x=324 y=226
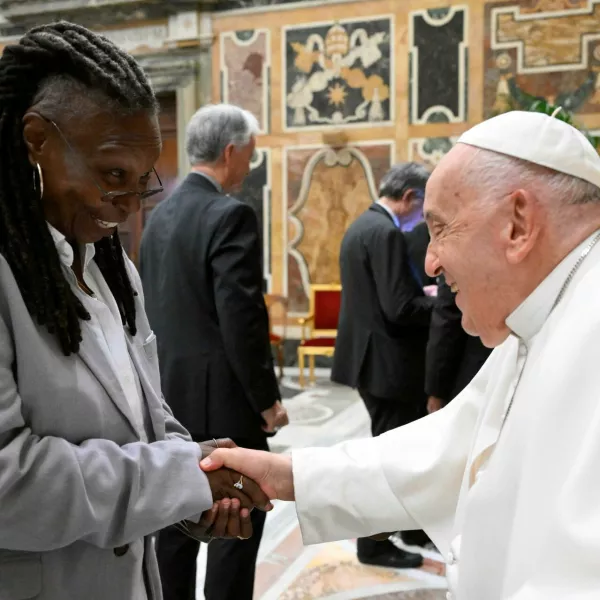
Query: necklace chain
x=561 y=293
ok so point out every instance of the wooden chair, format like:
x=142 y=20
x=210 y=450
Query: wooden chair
x=322 y=324
x=277 y=341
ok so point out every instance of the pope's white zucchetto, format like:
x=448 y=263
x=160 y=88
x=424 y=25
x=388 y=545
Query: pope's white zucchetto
x=539 y=139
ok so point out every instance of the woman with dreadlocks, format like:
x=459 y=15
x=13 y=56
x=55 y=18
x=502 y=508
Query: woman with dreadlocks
x=92 y=462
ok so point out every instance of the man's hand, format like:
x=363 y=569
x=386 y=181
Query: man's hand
x=275 y=418
x=434 y=404
x=272 y=472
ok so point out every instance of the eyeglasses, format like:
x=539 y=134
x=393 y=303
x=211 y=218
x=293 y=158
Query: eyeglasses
x=116 y=194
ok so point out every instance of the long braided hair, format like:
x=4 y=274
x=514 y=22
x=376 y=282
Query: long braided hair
x=58 y=52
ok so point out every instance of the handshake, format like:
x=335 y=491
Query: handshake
x=235 y=486
x=242 y=480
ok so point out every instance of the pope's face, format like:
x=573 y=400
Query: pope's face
x=466 y=246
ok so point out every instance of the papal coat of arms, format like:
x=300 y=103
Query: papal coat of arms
x=338 y=73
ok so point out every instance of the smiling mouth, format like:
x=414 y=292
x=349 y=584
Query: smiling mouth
x=105 y=224
x=453 y=286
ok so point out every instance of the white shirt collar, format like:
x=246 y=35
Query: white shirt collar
x=388 y=210
x=65 y=251
x=529 y=317
x=211 y=180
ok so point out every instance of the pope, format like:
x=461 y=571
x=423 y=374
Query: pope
x=505 y=479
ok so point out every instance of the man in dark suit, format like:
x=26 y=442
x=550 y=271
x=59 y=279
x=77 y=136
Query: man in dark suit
x=200 y=264
x=417 y=240
x=453 y=356
x=383 y=325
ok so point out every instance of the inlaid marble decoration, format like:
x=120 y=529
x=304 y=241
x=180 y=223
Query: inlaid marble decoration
x=139 y=39
x=438 y=65
x=544 y=49
x=333 y=571
x=338 y=73
x=245 y=71
x=326 y=190
x=429 y=151
x=222 y=5
x=256 y=191
x=537 y=6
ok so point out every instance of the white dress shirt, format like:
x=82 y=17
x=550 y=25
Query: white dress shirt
x=515 y=509
x=105 y=322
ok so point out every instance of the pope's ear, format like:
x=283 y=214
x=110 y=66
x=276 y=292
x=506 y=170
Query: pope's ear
x=524 y=225
x=35 y=136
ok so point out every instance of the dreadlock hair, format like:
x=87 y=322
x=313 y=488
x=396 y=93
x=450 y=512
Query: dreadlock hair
x=50 y=62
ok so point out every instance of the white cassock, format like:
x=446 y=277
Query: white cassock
x=517 y=512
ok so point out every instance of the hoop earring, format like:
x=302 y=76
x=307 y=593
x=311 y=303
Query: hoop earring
x=41 y=178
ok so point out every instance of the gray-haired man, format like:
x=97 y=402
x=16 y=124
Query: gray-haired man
x=202 y=276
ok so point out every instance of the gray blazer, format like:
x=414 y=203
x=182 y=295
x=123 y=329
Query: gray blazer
x=80 y=495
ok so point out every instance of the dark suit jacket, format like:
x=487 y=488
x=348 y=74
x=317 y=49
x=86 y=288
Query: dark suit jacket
x=200 y=265
x=384 y=317
x=453 y=356
x=417 y=241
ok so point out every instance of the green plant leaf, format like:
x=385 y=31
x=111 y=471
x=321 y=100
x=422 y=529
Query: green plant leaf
x=542 y=106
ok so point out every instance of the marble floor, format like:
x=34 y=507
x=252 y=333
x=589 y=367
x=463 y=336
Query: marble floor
x=322 y=415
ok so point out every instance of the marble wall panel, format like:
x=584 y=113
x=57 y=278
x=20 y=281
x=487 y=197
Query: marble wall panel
x=429 y=151
x=256 y=192
x=245 y=71
x=544 y=49
x=537 y=6
x=327 y=189
x=338 y=73
x=438 y=65
x=223 y=5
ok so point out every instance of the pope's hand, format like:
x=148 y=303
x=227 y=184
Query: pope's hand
x=226 y=518
x=223 y=483
x=272 y=472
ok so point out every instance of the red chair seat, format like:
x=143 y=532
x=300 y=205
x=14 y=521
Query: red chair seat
x=319 y=343
x=275 y=339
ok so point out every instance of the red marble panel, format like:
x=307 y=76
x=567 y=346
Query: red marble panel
x=245 y=59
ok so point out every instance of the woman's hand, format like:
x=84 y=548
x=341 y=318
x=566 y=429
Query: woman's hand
x=229 y=516
x=226 y=519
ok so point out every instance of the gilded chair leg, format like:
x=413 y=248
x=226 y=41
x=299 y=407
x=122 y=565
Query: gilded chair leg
x=301 y=367
x=311 y=362
x=280 y=359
